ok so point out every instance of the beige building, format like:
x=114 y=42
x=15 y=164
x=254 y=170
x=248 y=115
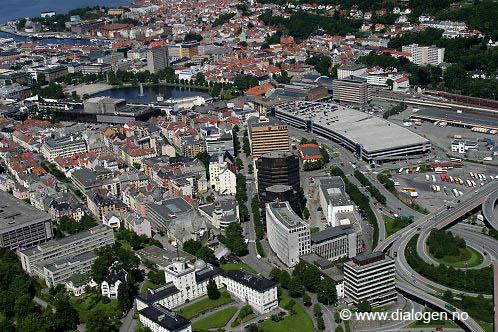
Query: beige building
x=272 y=135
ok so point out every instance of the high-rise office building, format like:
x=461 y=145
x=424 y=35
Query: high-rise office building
x=370 y=277
x=157 y=59
x=288 y=235
x=272 y=135
x=278 y=168
x=336 y=242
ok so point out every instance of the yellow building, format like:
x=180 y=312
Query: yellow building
x=272 y=135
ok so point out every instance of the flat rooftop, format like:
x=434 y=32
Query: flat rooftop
x=369 y=258
x=14 y=212
x=57 y=243
x=284 y=213
x=331 y=233
x=372 y=132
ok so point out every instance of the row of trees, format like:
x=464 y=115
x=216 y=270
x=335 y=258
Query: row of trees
x=241 y=196
x=471 y=280
x=236 y=142
x=256 y=214
x=360 y=200
x=246 y=146
x=387 y=183
x=370 y=187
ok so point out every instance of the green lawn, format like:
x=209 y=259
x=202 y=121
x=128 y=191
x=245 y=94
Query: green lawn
x=391 y=225
x=89 y=302
x=299 y=322
x=196 y=308
x=468 y=257
x=218 y=319
x=147 y=285
x=237 y=266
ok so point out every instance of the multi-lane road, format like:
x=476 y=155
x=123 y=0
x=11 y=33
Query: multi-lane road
x=408 y=280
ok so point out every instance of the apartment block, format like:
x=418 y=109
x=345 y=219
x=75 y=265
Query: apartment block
x=57 y=260
x=63 y=147
x=425 y=55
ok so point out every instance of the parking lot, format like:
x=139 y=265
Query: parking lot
x=432 y=198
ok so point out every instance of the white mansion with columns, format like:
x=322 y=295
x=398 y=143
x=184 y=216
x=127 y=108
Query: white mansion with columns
x=187 y=282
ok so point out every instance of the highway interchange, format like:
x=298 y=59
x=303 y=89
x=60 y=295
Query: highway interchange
x=408 y=282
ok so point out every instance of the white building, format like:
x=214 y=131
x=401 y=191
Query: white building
x=445 y=25
x=259 y=292
x=216 y=166
x=400 y=81
x=112 y=220
x=222 y=212
x=57 y=260
x=187 y=282
x=63 y=147
x=109 y=287
x=462 y=146
x=353 y=69
x=221 y=177
x=425 y=55
x=370 y=277
x=226 y=182
x=333 y=200
x=288 y=235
